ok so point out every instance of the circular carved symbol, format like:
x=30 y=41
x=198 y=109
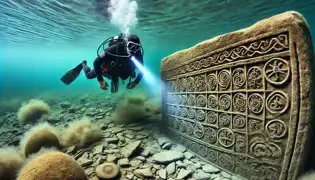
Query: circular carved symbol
x=277 y=71
x=184 y=112
x=212 y=101
x=191 y=113
x=225 y=102
x=191 y=100
x=255 y=103
x=212 y=117
x=276 y=129
x=239 y=101
x=179 y=99
x=177 y=85
x=178 y=111
x=194 y=147
x=170 y=110
x=226 y=137
x=224 y=77
x=277 y=102
x=189 y=128
x=176 y=123
x=182 y=126
x=202 y=150
x=224 y=119
x=200 y=114
x=190 y=84
x=239 y=121
x=170 y=99
x=201 y=100
x=210 y=135
x=212 y=155
x=200 y=83
x=183 y=85
x=254 y=76
x=226 y=161
x=238 y=77
x=212 y=82
x=199 y=130
x=184 y=99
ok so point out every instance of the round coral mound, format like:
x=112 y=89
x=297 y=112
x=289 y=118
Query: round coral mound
x=52 y=166
x=40 y=139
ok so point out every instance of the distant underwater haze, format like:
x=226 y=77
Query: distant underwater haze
x=41 y=40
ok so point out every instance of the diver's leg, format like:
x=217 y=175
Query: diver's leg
x=90 y=74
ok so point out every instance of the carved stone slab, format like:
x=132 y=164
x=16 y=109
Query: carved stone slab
x=242 y=100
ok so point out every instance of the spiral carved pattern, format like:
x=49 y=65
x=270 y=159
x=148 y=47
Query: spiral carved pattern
x=225 y=102
x=202 y=150
x=224 y=78
x=200 y=82
x=178 y=111
x=239 y=121
x=239 y=102
x=212 y=155
x=210 y=135
x=182 y=126
x=212 y=117
x=189 y=128
x=199 y=130
x=212 y=101
x=201 y=101
x=239 y=78
x=255 y=103
x=184 y=99
x=212 y=82
x=184 y=112
x=200 y=115
x=183 y=85
x=191 y=100
x=191 y=113
x=224 y=119
x=190 y=84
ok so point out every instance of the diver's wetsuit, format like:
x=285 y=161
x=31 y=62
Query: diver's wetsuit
x=123 y=68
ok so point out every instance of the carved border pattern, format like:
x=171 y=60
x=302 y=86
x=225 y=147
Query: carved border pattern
x=262 y=47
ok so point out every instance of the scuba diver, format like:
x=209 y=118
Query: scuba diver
x=113 y=63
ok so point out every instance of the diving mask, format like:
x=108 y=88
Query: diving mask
x=133 y=47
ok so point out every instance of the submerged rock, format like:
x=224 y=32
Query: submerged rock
x=167 y=157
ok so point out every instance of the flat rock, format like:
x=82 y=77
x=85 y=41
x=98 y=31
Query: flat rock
x=143 y=173
x=167 y=145
x=162 y=140
x=162 y=173
x=111 y=158
x=136 y=128
x=201 y=175
x=179 y=148
x=130 y=136
x=84 y=161
x=131 y=148
x=226 y=175
x=210 y=169
x=167 y=157
x=111 y=151
x=111 y=140
x=183 y=174
x=145 y=152
x=71 y=150
x=123 y=162
x=98 y=149
x=189 y=155
x=115 y=130
x=171 y=168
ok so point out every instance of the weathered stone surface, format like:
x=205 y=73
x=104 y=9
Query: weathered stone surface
x=162 y=173
x=167 y=157
x=183 y=174
x=129 y=149
x=247 y=93
x=143 y=173
x=123 y=162
x=210 y=169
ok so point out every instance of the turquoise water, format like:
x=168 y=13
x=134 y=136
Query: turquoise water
x=41 y=40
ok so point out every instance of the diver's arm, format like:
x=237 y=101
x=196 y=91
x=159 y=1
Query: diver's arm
x=97 y=67
x=140 y=74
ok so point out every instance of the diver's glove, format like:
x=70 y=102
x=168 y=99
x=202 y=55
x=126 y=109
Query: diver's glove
x=131 y=85
x=103 y=85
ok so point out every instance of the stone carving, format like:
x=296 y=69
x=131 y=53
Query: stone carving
x=242 y=101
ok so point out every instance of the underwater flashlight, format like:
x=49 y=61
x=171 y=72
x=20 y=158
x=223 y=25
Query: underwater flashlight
x=146 y=74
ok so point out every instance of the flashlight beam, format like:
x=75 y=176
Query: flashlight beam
x=146 y=74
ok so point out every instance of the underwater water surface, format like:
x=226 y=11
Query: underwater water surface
x=41 y=40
